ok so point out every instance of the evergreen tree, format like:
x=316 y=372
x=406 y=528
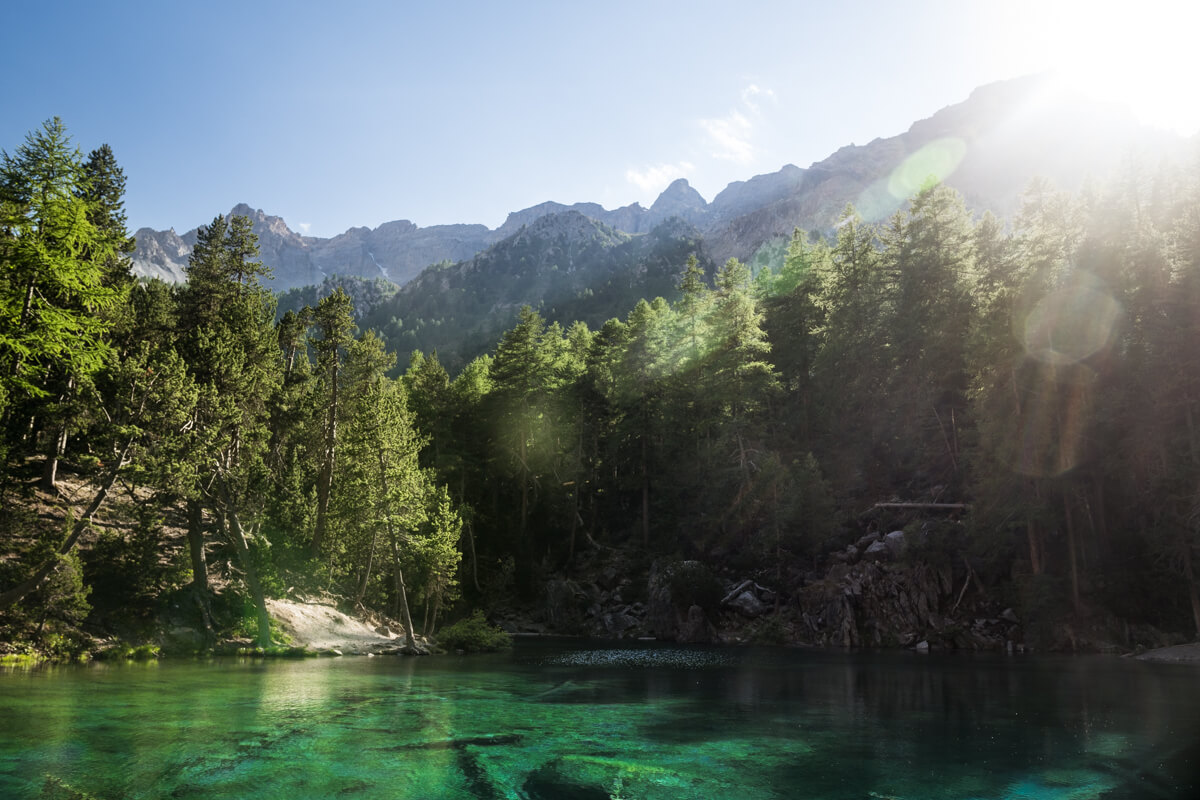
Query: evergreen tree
x=851 y=367
x=229 y=342
x=334 y=318
x=60 y=251
x=930 y=254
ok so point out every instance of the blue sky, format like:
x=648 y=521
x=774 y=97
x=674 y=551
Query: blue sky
x=335 y=115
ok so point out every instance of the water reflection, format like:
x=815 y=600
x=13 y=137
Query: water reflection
x=554 y=720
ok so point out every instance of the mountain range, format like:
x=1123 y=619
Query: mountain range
x=988 y=147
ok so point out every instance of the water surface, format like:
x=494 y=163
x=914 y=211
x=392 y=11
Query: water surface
x=568 y=720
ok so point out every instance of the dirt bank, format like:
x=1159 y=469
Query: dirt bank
x=323 y=627
x=1180 y=653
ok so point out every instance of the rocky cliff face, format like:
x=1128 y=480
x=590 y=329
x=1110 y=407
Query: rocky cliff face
x=396 y=250
x=988 y=147
x=161 y=254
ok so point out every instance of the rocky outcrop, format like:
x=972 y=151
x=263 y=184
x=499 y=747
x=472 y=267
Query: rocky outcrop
x=161 y=254
x=881 y=605
x=988 y=147
x=396 y=250
x=682 y=201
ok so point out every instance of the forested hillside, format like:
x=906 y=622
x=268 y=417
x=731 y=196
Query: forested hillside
x=1020 y=396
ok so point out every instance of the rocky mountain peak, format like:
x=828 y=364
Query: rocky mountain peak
x=570 y=225
x=679 y=200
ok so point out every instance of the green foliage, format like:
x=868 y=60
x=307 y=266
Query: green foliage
x=56 y=245
x=1046 y=373
x=123 y=651
x=693 y=584
x=769 y=630
x=586 y=272
x=473 y=634
x=127 y=570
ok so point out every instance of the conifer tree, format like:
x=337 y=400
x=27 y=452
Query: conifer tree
x=334 y=319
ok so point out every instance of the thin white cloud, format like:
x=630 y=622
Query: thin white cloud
x=304 y=226
x=651 y=180
x=751 y=94
x=731 y=137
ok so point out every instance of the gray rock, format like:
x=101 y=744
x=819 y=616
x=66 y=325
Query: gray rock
x=615 y=624
x=748 y=605
x=895 y=543
x=878 y=552
x=866 y=541
x=566 y=604
x=1008 y=615
x=922 y=646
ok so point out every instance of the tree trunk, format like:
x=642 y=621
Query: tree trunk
x=237 y=536
x=1071 y=552
x=645 y=497
x=1035 y=557
x=362 y=584
x=58 y=446
x=196 y=546
x=401 y=594
x=474 y=559
x=1190 y=574
x=325 y=480
x=524 y=481
x=437 y=606
x=22 y=589
x=410 y=642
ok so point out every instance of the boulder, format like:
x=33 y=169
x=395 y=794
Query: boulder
x=748 y=605
x=566 y=605
x=617 y=623
x=895 y=544
x=878 y=552
x=866 y=541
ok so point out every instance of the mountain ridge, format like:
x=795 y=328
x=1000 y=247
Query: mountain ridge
x=988 y=147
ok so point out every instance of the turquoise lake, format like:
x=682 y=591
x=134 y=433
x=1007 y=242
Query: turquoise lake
x=574 y=720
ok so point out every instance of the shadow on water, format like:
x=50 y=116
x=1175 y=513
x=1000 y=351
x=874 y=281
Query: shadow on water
x=564 y=720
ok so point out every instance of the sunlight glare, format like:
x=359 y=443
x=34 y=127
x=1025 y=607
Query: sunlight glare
x=933 y=162
x=1141 y=56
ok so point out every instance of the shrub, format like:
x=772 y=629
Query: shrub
x=473 y=634
x=693 y=584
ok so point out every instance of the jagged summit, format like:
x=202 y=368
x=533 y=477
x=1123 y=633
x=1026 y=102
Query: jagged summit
x=1002 y=135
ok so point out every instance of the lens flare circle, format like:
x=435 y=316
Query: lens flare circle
x=1071 y=324
x=934 y=162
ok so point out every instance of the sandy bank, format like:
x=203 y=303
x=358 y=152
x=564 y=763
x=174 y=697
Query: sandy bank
x=1180 y=653
x=323 y=627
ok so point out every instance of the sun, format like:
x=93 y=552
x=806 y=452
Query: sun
x=1142 y=55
